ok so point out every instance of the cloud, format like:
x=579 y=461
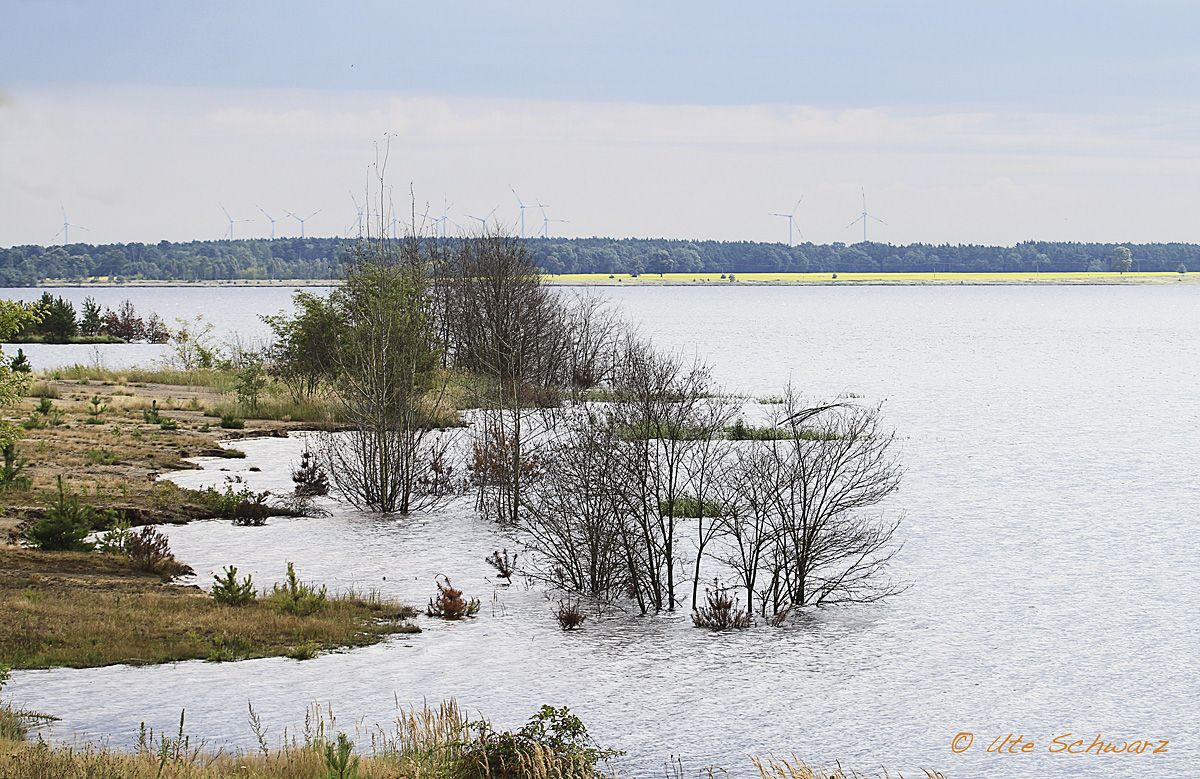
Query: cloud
x=151 y=163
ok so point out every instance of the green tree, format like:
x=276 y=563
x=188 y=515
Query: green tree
x=301 y=355
x=385 y=364
x=90 y=319
x=58 y=319
x=1122 y=259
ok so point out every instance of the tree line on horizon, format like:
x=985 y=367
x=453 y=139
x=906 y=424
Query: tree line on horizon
x=323 y=258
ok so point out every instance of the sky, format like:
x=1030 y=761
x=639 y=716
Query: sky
x=962 y=122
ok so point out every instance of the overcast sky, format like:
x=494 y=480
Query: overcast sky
x=1074 y=120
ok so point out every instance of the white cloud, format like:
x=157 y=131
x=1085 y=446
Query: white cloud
x=146 y=164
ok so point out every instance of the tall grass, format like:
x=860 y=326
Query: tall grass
x=220 y=380
x=425 y=743
x=317 y=411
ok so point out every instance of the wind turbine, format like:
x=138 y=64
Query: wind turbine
x=445 y=217
x=483 y=220
x=791 y=219
x=232 y=221
x=303 y=219
x=358 y=221
x=65 y=230
x=546 y=220
x=865 y=217
x=270 y=219
x=520 y=203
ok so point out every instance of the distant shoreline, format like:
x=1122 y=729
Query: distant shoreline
x=711 y=280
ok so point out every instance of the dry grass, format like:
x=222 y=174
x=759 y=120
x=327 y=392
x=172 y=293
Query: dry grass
x=794 y=768
x=422 y=744
x=425 y=743
x=87 y=609
x=136 y=451
x=221 y=381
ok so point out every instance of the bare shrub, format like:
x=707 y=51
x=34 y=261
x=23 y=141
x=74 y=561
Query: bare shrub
x=149 y=550
x=569 y=614
x=721 y=611
x=504 y=564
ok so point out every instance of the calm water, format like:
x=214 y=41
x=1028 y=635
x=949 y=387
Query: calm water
x=1051 y=441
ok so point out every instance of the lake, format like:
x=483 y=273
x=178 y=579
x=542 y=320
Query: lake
x=1051 y=442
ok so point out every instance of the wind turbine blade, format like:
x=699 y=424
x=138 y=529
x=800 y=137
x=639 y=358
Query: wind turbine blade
x=785 y=216
x=797 y=206
x=227 y=216
x=877 y=219
x=856 y=221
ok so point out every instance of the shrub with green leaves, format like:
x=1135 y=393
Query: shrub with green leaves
x=231 y=422
x=552 y=732
x=65 y=525
x=228 y=591
x=296 y=597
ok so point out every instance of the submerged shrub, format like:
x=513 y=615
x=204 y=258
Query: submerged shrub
x=310 y=478
x=449 y=603
x=228 y=591
x=244 y=507
x=296 y=597
x=721 y=611
x=504 y=564
x=65 y=525
x=569 y=614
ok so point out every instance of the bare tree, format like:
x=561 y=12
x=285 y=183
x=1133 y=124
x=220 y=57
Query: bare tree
x=669 y=415
x=574 y=510
x=816 y=487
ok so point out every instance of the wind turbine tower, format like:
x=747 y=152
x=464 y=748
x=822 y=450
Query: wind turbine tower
x=443 y=219
x=865 y=217
x=483 y=220
x=358 y=220
x=522 y=205
x=791 y=217
x=546 y=220
x=270 y=219
x=303 y=219
x=232 y=222
x=65 y=230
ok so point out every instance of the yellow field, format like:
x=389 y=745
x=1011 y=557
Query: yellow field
x=878 y=278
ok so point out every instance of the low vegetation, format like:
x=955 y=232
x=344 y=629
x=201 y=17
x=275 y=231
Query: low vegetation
x=84 y=609
x=425 y=743
x=450 y=603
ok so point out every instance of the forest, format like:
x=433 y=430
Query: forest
x=322 y=258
